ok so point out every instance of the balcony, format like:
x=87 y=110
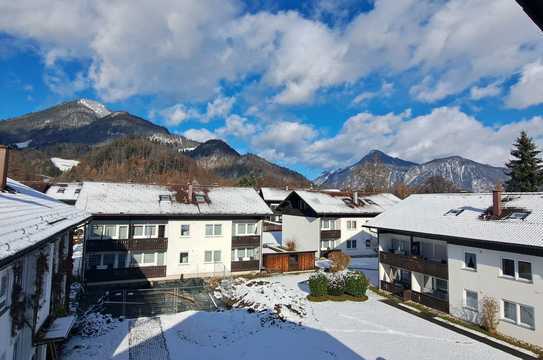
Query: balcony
x=134 y=273
x=252 y=241
x=416 y=264
x=330 y=234
x=127 y=244
x=438 y=303
x=245 y=265
x=270 y=227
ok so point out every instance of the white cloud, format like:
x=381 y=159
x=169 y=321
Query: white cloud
x=201 y=135
x=220 y=107
x=528 y=90
x=477 y=92
x=386 y=90
x=236 y=126
x=174 y=115
x=187 y=49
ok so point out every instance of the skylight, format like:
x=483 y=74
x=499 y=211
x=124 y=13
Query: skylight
x=518 y=215
x=200 y=198
x=454 y=212
x=370 y=202
x=164 y=198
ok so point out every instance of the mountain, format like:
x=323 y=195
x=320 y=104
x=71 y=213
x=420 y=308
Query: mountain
x=80 y=122
x=377 y=168
x=223 y=160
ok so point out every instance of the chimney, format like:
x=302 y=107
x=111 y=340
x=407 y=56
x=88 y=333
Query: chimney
x=286 y=188
x=355 y=197
x=189 y=193
x=4 y=156
x=497 y=201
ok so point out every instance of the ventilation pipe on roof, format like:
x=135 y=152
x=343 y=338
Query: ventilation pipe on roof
x=189 y=193
x=4 y=155
x=355 y=197
x=497 y=200
x=286 y=187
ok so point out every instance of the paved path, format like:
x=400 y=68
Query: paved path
x=147 y=340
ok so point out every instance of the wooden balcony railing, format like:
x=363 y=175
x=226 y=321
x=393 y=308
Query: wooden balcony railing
x=245 y=265
x=430 y=301
x=135 y=273
x=330 y=234
x=417 y=264
x=395 y=289
x=127 y=244
x=246 y=241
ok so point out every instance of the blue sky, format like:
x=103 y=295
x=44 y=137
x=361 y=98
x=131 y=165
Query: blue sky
x=313 y=85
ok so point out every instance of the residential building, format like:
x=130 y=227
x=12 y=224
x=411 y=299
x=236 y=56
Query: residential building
x=35 y=251
x=322 y=221
x=450 y=251
x=65 y=192
x=154 y=232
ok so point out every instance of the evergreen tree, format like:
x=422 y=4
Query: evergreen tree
x=525 y=169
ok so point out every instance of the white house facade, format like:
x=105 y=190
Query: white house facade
x=152 y=232
x=451 y=251
x=323 y=221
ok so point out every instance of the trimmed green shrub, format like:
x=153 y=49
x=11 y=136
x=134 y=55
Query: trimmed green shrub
x=318 y=284
x=356 y=284
x=336 y=284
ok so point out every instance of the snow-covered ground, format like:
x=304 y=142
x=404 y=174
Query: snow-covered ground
x=369 y=266
x=64 y=164
x=323 y=331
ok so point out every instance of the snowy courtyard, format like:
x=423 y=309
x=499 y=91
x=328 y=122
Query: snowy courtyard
x=317 y=331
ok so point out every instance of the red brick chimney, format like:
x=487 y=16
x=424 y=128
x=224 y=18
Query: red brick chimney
x=4 y=156
x=497 y=200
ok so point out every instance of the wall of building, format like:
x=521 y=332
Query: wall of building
x=304 y=231
x=6 y=341
x=488 y=281
x=195 y=244
x=360 y=234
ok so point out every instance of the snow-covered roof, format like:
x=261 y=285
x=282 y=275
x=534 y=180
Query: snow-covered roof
x=65 y=191
x=340 y=203
x=274 y=194
x=28 y=217
x=429 y=214
x=143 y=199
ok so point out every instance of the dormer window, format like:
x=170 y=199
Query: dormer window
x=454 y=212
x=518 y=215
x=162 y=198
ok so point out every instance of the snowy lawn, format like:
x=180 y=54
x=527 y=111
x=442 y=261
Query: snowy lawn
x=316 y=331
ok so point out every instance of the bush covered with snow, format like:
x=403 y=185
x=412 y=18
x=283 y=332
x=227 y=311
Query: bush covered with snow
x=336 y=284
x=318 y=284
x=356 y=284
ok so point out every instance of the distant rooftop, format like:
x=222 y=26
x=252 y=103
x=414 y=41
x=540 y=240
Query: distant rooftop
x=274 y=194
x=142 y=199
x=466 y=216
x=338 y=202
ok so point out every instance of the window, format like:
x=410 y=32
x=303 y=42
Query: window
x=121 y=260
x=208 y=256
x=370 y=202
x=164 y=198
x=161 y=231
x=470 y=261
x=325 y=224
x=184 y=258
x=525 y=270
x=251 y=254
x=77 y=191
x=368 y=243
x=241 y=229
x=110 y=231
x=3 y=289
x=61 y=190
x=241 y=254
x=510 y=311
x=108 y=260
x=150 y=231
x=217 y=256
x=351 y=244
x=527 y=316
x=185 y=230
x=96 y=231
x=454 y=212
x=138 y=230
x=351 y=224
x=123 y=232
x=213 y=229
x=136 y=259
x=251 y=229
x=508 y=267
x=148 y=258
x=472 y=300
x=160 y=259
x=200 y=198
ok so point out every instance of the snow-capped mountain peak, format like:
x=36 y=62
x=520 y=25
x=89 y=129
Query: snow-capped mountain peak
x=99 y=109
